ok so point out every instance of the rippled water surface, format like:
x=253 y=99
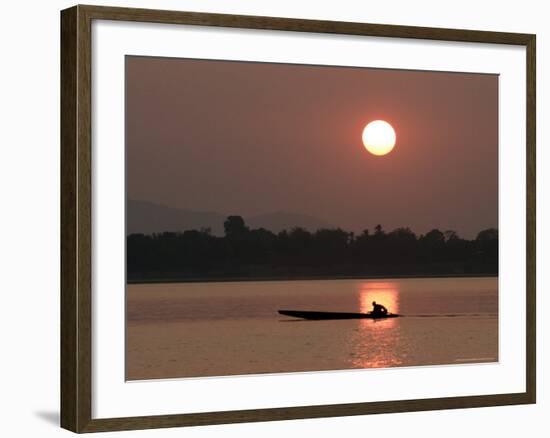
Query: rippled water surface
x=215 y=329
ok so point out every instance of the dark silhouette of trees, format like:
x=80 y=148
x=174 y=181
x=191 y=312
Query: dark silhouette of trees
x=234 y=227
x=486 y=249
x=259 y=253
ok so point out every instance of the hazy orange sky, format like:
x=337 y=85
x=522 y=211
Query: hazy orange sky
x=251 y=138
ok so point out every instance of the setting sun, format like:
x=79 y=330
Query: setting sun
x=379 y=137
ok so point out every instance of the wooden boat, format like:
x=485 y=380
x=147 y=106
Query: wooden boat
x=313 y=315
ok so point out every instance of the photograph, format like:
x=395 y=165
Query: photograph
x=285 y=218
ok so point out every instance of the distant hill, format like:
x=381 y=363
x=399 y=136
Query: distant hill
x=285 y=221
x=147 y=218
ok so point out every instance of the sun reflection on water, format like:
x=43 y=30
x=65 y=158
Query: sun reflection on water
x=375 y=341
x=385 y=293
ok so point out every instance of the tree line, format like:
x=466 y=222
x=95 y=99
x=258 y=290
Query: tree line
x=259 y=253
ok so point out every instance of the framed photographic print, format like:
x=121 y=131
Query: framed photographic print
x=269 y=218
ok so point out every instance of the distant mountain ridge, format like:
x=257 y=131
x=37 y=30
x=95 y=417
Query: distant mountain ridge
x=279 y=221
x=147 y=217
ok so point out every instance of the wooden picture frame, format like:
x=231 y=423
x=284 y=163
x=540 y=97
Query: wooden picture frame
x=76 y=218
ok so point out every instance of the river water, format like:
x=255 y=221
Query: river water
x=232 y=328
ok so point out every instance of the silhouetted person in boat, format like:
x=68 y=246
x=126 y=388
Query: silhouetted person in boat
x=378 y=309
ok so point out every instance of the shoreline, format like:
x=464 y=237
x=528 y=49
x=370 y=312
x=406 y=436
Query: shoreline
x=304 y=278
